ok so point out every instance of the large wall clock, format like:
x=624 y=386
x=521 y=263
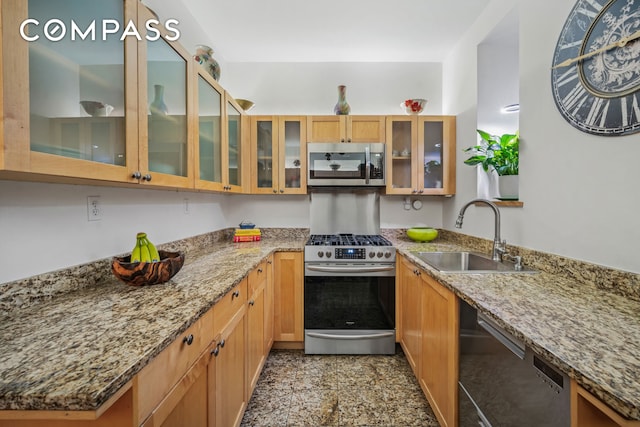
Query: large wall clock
x=595 y=76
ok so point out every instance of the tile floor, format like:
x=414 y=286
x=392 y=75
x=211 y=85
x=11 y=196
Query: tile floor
x=295 y=389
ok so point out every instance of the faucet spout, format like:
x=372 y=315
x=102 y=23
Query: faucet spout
x=498 y=244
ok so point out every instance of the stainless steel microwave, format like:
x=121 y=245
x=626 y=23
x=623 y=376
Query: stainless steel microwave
x=346 y=164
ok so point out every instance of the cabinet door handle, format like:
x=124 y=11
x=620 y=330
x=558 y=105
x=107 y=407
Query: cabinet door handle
x=188 y=340
x=259 y=270
x=215 y=351
x=251 y=302
x=275 y=191
x=281 y=190
x=235 y=294
x=147 y=177
x=221 y=344
x=136 y=175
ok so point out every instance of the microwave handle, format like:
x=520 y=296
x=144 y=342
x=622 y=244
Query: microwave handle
x=367 y=165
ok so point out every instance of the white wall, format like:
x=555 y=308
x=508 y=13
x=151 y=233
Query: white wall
x=579 y=191
x=312 y=88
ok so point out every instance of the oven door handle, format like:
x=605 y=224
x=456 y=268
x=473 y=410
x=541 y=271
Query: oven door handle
x=351 y=337
x=340 y=269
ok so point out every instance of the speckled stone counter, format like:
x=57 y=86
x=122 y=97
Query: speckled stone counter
x=75 y=350
x=580 y=326
x=70 y=339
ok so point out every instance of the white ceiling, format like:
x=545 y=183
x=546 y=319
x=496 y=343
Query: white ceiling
x=324 y=31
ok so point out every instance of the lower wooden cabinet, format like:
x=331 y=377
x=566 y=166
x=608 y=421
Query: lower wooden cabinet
x=288 y=283
x=428 y=325
x=588 y=411
x=410 y=312
x=439 y=363
x=256 y=305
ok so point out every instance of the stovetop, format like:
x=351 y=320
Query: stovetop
x=347 y=240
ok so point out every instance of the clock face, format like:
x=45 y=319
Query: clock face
x=600 y=93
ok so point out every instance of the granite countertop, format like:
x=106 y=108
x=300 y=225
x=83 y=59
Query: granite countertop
x=589 y=333
x=76 y=350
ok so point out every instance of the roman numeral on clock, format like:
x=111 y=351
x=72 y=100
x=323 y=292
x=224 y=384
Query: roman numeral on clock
x=630 y=110
x=591 y=13
x=597 y=111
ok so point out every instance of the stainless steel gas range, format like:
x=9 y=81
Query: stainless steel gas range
x=349 y=291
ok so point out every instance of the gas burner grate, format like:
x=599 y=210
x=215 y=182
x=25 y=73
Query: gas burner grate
x=347 y=240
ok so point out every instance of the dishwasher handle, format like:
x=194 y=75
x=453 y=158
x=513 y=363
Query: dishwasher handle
x=512 y=343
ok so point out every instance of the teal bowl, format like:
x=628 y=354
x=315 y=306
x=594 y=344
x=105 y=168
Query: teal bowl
x=422 y=234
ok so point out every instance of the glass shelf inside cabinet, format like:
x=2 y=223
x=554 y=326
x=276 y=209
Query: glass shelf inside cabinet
x=76 y=87
x=210 y=134
x=433 y=140
x=167 y=120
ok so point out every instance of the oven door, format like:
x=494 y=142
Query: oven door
x=349 y=312
x=342 y=164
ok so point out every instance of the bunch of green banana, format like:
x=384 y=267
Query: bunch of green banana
x=144 y=251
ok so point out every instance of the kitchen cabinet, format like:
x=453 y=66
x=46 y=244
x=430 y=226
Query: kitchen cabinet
x=428 y=324
x=209 y=147
x=256 y=319
x=288 y=288
x=160 y=384
x=346 y=128
x=227 y=385
x=45 y=129
x=439 y=361
x=421 y=155
x=409 y=289
x=589 y=411
x=269 y=306
x=278 y=155
x=235 y=132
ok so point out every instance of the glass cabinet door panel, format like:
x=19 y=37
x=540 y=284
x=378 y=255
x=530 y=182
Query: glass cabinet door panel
x=76 y=87
x=401 y=154
x=292 y=154
x=167 y=95
x=210 y=132
x=433 y=142
x=264 y=151
x=235 y=137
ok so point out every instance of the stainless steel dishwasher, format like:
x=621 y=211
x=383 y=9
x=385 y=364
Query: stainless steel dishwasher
x=503 y=382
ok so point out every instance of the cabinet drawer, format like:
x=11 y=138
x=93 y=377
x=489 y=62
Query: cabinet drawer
x=257 y=277
x=159 y=376
x=233 y=301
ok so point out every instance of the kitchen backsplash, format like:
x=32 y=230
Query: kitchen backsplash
x=42 y=287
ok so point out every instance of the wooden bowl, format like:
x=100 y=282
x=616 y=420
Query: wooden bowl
x=147 y=273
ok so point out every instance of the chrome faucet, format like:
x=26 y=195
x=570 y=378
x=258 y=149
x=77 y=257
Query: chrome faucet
x=499 y=246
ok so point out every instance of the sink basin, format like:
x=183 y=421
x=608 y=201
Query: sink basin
x=467 y=262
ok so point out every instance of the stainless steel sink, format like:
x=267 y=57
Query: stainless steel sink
x=468 y=262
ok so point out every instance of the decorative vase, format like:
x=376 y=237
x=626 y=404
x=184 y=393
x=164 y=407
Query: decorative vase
x=342 y=107
x=508 y=187
x=157 y=106
x=204 y=56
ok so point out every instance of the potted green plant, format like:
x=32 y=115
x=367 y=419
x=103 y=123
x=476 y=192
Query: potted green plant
x=501 y=154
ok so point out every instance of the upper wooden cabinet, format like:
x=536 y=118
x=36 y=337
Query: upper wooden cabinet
x=346 y=129
x=45 y=128
x=421 y=155
x=278 y=155
x=236 y=132
x=209 y=124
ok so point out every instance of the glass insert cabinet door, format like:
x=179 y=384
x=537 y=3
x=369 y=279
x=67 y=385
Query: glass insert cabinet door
x=167 y=115
x=209 y=132
x=266 y=143
x=293 y=157
x=234 y=155
x=432 y=159
x=76 y=87
x=403 y=133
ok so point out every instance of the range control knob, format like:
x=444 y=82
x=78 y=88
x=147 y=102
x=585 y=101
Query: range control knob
x=387 y=254
x=320 y=254
x=328 y=254
x=379 y=254
x=372 y=254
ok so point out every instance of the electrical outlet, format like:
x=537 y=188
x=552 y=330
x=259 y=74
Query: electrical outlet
x=94 y=208
x=186 y=206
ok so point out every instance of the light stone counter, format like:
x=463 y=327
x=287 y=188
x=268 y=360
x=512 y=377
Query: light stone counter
x=77 y=349
x=587 y=331
x=66 y=344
